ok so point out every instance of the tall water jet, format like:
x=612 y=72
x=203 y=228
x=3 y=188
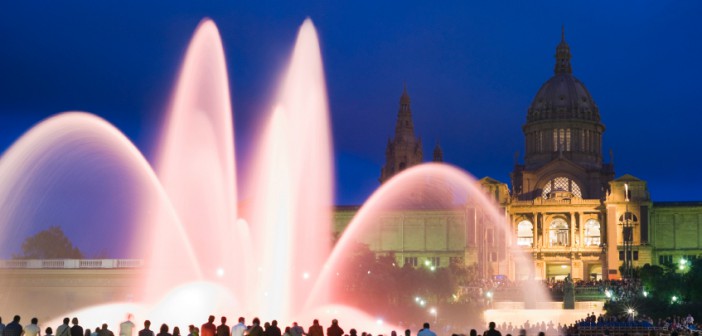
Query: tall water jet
x=195 y=164
x=292 y=200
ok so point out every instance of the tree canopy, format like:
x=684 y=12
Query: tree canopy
x=51 y=243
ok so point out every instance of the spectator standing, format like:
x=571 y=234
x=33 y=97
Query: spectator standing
x=239 y=328
x=334 y=329
x=223 y=329
x=274 y=330
x=146 y=331
x=492 y=331
x=64 y=329
x=105 y=332
x=255 y=329
x=296 y=330
x=32 y=329
x=13 y=328
x=315 y=329
x=426 y=330
x=2 y=326
x=209 y=328
x=76 y=329
x=164 y=330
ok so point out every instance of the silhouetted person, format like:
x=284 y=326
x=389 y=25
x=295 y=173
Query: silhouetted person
x=96 y=332
x=32 y=329
x=164 y=330
x=274 y=330
x=105 y=332
x=48 y=331
x=176 y=331
x=315 y=329
x=126 y=328
x=426 y=331
x=334 y=329
x=209 y=328
x=223 y=329
x=64 y=329
x=408 y=332
x=473 y=332
x=491 y=330
x=255 y=329
x=353 y=332
x=146 y=331
x=76 y=329
x=239 y=328
x=13 y=328
x=88 y=332
x=296 y=330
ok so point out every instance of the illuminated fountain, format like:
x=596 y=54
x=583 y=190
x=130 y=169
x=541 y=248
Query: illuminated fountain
x=275 y=258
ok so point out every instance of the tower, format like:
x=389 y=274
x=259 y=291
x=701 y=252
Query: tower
x=558 y=209
x=404 y=149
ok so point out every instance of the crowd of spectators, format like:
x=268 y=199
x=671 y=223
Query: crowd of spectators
x=625 y=324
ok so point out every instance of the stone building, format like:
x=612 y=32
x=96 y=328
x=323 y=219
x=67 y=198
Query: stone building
x=565 y=208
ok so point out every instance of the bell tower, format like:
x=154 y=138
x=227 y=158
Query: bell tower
x=404 y=149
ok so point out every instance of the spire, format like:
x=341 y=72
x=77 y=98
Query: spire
x=404 y=99
x=563 y=56
x=405 y=149
x=404 y=128
x=438 y=153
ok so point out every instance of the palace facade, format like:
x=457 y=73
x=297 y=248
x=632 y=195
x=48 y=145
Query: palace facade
x=566 y=208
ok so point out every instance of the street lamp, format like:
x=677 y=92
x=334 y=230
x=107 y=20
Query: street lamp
x=434 y=312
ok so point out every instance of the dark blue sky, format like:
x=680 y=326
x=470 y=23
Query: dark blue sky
x=471 y=69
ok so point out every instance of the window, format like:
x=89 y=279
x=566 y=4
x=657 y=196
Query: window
x=434 y=261
x=562 y=184
x=525 y=233
x=412 y=261
x=592 y=233
x=665 y=259
x=541 y=141
x=629 y=254
x=558 y=232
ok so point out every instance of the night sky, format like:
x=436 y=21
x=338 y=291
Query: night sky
x=471 y=68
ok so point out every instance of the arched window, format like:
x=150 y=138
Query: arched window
x=558 y=232
x=592 y=232
x=525 y=233
x=561 y=184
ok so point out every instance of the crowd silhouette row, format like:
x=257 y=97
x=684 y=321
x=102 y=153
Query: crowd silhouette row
x=601 y=324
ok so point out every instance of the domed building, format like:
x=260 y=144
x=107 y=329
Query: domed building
x=558 y=193
x=565 y=208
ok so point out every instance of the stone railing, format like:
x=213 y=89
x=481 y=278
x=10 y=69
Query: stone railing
x=542 y=201
x=71 y=263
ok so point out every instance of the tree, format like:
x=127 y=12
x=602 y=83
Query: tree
x=51 y=243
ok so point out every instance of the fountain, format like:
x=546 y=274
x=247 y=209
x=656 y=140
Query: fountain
x=206 y=251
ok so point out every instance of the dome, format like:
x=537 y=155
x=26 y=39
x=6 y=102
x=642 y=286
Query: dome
x=563 y=97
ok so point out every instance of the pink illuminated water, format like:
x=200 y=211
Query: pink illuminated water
x=204 y=255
